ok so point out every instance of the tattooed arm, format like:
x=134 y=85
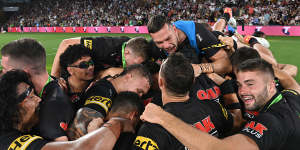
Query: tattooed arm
x=86 y=120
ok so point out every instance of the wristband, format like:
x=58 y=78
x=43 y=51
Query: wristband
x=252 y=41
x=227 y=87
x=233 y=106
x=206 y=68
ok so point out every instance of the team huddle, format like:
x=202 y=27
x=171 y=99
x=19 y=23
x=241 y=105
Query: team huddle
x=191 y=86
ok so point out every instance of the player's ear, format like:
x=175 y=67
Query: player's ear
x=126 y=51
x=70 y=70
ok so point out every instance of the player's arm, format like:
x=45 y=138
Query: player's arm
x=55 y=71
x=292 y=70
x=193 y=138
x=85 y=121
x=219 y=25
x=287 y=81
x=101 y=139
x=221 y=64
x=265 y=53
x=231 y=101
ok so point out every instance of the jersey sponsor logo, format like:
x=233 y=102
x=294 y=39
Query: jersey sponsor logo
x=103 y=102
x=209 y=94
x=206 y=125
x=145 y=143
x=256 y=129
x=22 y=142
x=88 y=44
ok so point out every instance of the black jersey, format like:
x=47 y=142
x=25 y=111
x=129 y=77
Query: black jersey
x=76 y=97
x=56 y=112
x=208 y=116
x=106 y=51
x=276 y=126
x=125 y=141
x=16 y=140
x=99 y=96
x=205 y=89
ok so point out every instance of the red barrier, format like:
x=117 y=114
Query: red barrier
x=248 y=30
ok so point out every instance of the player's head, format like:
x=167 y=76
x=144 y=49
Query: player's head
x=136 y=50
x=127 y=105
x=242 y=54
x=18 y=103
x=259 y=34
x=163 y=34
x=137 y=79
x=76 y=61
x=176 y=75
x=25 y=54
x=255 y=78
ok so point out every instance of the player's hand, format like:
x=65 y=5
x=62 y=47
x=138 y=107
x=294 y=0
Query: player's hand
x=228 y=41
x=63 y=84
x=152 y=113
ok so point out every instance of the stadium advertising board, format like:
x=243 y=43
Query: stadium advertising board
x=248 y=30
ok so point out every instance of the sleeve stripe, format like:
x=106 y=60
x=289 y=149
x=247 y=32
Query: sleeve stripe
x=98 y=103
x=24 y=144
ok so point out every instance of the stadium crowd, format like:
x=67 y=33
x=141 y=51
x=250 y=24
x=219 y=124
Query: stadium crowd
x=136 y=13
x=192 y=86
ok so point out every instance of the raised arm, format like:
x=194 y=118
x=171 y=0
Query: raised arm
x=62 y=47
x=287 y=81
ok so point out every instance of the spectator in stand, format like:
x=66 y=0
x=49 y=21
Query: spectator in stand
x=135 y=13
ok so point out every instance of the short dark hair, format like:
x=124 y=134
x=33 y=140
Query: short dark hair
x=256 y=64
x=258 y=34
x=139 y=46
x=27 y=51
x=138 y=69
x=178 y=74
x=242 y=54
x=9 y=110
x=156 y=22
x=126 y=102
x=71 y=55
x=152 y=66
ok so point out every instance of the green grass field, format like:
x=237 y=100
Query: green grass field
x=285 y=49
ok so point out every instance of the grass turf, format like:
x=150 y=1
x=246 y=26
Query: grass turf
x=285 y=49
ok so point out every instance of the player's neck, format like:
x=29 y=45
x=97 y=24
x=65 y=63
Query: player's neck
x=77 y=85
x=117 y=84
x=39 y=81
x=168 y=98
